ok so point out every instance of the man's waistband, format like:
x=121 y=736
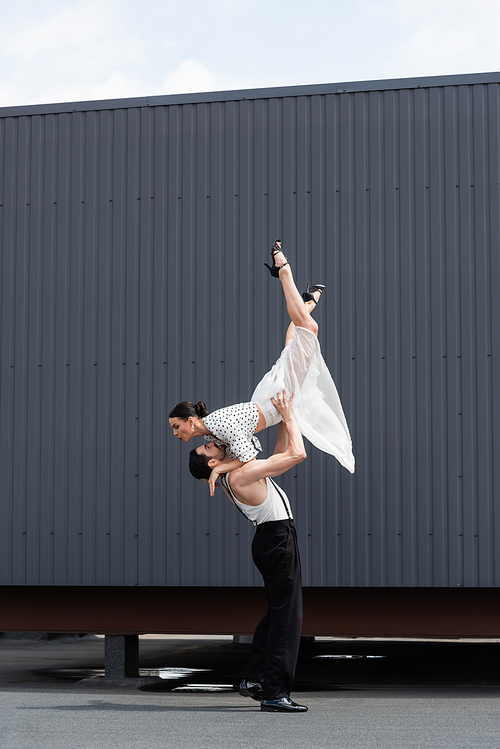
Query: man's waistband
x=272 y=524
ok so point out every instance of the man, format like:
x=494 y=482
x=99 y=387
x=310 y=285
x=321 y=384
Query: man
x=275 y=552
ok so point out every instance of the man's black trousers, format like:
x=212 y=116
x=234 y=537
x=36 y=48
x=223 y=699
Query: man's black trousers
x=276 y=640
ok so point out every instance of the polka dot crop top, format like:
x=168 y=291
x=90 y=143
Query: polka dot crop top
x=234 y=427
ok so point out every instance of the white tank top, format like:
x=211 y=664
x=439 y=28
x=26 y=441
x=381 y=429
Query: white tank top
x=272 y=508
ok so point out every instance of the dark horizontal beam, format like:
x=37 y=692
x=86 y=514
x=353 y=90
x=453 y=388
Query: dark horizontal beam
x=369 y=612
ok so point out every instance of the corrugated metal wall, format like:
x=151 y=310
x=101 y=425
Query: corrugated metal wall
x=133 y=241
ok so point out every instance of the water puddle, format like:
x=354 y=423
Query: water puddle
x=181 y=674
x=341 y=657
x=171 y=673
x=75 y=674
x=204 y=688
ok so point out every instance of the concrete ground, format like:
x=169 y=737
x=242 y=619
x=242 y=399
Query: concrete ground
x=360 y=694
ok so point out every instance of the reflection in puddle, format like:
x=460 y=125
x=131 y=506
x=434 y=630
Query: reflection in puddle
x=205 y=688
x=172 y=673
x=349 y=656
x=182 y=673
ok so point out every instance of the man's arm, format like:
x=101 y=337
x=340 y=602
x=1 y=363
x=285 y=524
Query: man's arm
x=281 y=447
x=222 y=468
x=279 y=462
x=282 y=441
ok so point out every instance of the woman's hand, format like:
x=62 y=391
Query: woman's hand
x=283 y=405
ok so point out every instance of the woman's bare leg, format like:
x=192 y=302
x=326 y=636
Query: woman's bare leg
x=290 y=334
x=300 y=313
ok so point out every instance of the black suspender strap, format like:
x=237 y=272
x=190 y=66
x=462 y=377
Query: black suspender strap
x=282 y=497
x=225 y=484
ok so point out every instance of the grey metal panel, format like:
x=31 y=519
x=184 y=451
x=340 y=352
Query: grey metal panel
x=133 y=237
x=77 y=325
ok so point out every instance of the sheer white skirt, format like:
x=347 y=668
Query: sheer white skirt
x=301 y=370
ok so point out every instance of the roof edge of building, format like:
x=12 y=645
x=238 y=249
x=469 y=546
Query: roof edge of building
x=462 y=79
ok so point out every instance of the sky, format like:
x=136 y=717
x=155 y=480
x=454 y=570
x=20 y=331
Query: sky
x=79 y=50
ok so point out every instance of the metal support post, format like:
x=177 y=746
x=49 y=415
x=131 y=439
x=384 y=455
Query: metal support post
x=121 y=656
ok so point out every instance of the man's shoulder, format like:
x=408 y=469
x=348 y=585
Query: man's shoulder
x=245 y=476
x=247 y=486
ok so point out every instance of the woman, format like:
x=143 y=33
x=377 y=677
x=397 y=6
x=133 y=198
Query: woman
x=300 y=370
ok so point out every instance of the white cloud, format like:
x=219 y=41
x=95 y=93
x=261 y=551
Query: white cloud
x=79 y=50
x=191 y=76
x=447 y=13
x=446 y=36
x=78 y=25
x=74 y=50
x=115 y=86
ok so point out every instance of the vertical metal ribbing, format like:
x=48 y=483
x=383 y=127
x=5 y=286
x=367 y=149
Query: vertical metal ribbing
x=132 y=277
x=146 y=370
x=60 y=373
x=35 y=433
x=120 y=361
x=437 y=519
x=132 y=251
x=159 y=355
x=489 y=520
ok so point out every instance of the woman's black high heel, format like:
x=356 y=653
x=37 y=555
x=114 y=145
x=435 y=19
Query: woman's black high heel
x=308 y=294
x=274 y=270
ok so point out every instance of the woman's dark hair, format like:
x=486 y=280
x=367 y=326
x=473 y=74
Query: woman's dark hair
x=198 y=465
x=186 y=409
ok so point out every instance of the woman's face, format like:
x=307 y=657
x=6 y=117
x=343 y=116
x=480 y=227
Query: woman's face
x=181 y=429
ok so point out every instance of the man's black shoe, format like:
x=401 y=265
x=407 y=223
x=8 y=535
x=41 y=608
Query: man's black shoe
x=284 y=705
x=251 y=689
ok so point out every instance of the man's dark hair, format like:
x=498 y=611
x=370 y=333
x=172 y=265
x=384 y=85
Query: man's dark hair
x=198 y=465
